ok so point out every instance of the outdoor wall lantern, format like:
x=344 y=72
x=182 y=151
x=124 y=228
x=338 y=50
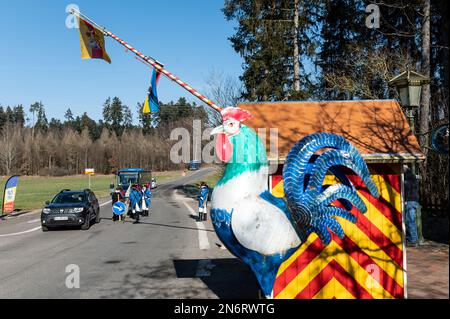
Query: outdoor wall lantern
x=409 y=87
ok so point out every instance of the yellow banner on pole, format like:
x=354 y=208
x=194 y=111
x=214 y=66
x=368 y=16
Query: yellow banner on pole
x=92 y=42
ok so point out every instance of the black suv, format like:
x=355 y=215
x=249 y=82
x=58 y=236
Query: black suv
x=71 y=208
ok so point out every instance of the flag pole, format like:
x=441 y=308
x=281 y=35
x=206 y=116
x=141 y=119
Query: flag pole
x=153 y=62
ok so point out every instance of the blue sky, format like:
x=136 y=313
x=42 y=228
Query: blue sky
x=40 y=57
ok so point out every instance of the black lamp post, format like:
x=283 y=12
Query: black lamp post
x=409 y=87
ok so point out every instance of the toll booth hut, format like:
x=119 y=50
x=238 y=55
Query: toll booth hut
x=370 y=261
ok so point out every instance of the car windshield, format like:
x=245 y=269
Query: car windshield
x=68 y=198
x=130 y=178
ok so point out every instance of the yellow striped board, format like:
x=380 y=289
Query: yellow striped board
x=368 y=263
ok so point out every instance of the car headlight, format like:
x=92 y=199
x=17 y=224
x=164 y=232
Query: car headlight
x=78 y=209
x=46 y=210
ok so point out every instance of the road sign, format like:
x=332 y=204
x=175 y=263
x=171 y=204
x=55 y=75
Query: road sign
x=119 y=208
x=89 y=171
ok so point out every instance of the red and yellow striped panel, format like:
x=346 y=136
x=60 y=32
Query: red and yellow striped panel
x=367 y=263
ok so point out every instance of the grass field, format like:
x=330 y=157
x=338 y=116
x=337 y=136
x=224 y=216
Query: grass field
x=33 y=191
x=211 y=179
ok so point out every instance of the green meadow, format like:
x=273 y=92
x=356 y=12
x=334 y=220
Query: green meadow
x=33 y=191
x=211 y=179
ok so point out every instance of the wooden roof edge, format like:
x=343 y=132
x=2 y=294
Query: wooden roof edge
x=376 y=158
x=394 y=158
x=318 y=102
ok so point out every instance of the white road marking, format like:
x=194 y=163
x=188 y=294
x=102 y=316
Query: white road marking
x=203 y=241
x=33 y=221
x=22 y=232
x=106 y=203
x=202 y=237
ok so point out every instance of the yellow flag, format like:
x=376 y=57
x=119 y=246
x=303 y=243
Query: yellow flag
x=92 y=42
x=146 y=108
x=151 y=104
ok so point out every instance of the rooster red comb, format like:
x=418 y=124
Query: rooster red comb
x=235 y=113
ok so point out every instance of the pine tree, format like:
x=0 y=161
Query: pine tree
x=55 y=125
x=272 y=37
x=41 y=121
x=107 y=111
x=116 y=115
x=2 y=117
x=146 y=120
x=34 y=108
x=68 y=115
x=127 y=117
x=9 y=115
x=19 y=115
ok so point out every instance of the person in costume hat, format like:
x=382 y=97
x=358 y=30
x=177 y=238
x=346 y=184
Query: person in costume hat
x=146 y=199
x=202 y=200
x=135 y=202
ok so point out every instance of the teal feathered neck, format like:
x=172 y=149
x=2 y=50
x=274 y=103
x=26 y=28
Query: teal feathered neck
x=249 y=154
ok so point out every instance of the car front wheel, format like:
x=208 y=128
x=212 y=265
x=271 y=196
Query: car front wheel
x=44 y=228
x=87 y=223
x=97 y=217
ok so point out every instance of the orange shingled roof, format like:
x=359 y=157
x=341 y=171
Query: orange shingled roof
x=379 y=129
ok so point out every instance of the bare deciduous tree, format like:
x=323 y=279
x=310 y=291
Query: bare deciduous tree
x=9 y=151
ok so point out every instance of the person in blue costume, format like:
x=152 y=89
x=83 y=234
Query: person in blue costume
x=202 y=199
x=135 y=201
x=146 y=199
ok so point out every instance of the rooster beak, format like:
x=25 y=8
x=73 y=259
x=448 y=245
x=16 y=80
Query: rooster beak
x=217 y=130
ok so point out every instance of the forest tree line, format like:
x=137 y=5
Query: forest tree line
x=55 y=147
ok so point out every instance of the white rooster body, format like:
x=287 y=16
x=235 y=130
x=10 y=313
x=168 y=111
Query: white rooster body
x=262 y=230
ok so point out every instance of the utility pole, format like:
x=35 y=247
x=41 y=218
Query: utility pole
x=296 y=50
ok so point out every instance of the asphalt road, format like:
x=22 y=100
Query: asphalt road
x=168 y=255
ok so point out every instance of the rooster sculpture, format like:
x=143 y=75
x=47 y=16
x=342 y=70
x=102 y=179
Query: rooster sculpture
x=263 y=230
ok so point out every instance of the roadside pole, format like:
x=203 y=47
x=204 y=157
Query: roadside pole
x=89 y=172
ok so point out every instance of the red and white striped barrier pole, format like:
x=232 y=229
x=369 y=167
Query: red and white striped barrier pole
x=158 y=66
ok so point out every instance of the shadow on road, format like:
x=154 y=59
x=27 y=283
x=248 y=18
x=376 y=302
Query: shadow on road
x=189 y=190
x=216 y=278
x=228 y=278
